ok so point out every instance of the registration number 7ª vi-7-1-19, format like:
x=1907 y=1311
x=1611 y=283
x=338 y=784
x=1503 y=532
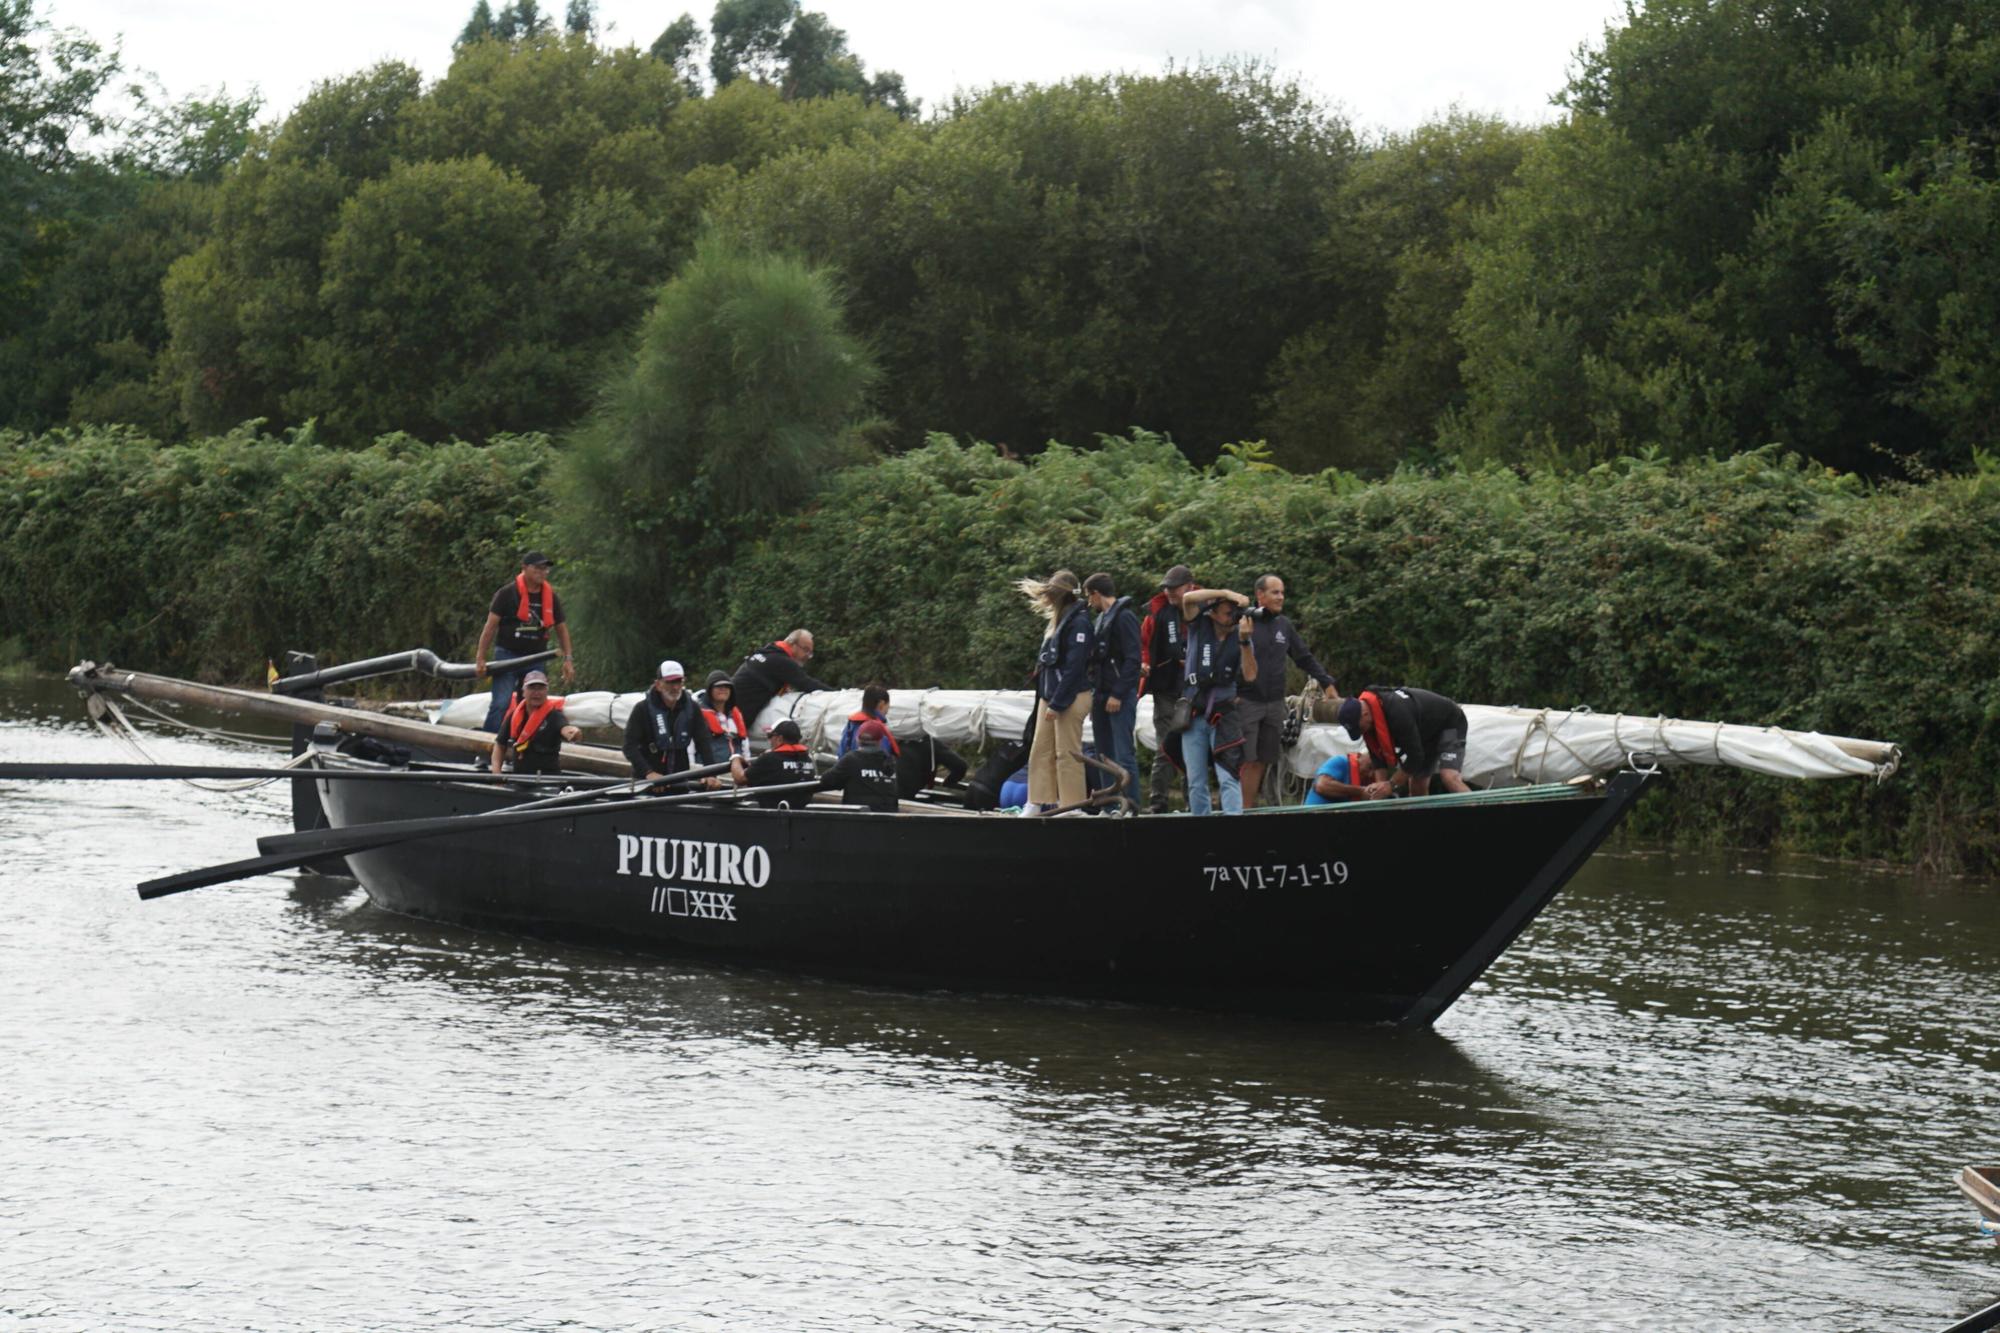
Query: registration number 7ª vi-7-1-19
x=1304 y=875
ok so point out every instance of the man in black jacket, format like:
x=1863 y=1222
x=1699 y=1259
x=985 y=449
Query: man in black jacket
x=919 y=757
x=1114 y=681
x=1261 y=705
x=786 y=761
x=664 y=724
x=1162 y=649
x=1411 y=734
x=776 y=668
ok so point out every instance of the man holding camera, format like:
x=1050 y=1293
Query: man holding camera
x=1219 y=660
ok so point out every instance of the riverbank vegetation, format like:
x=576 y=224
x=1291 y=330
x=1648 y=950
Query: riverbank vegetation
x=1684 y=402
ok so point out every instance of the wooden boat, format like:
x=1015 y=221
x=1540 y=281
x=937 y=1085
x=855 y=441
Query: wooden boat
x=1383 y=911
x=1981 y=1184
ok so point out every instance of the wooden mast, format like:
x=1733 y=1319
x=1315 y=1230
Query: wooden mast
x=93 y=679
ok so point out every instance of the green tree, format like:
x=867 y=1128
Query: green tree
x=580 y=18
x=239 y=308
x=1365 y=385
x=431 y=296
x=680 y=45
x=1063 y=261
x=1669 y=269
x=744 y=392
x=478 y=26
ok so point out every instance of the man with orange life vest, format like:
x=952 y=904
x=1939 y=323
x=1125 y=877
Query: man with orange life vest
x=532 y=732
x=1345 y=777
x=664 y=724
x=775 y=669
x=874 y=708
x=1412 y=735
x=725 y=719
x=786 y=761
x=1162 y=648
x=519 y=621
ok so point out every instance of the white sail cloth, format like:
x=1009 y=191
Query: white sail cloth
x=1506 y=746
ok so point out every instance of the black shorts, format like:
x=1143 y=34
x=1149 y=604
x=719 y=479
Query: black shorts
x=1451 y=750
x=1263 y=723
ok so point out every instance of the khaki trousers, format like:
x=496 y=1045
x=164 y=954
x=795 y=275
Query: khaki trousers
x=1054 y=777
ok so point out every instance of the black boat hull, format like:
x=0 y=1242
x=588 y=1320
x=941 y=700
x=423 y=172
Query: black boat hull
x=1381 y=913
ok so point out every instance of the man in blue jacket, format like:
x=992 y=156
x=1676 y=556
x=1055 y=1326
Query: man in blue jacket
x=1114 y=680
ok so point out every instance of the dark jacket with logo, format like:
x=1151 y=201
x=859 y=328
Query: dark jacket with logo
x=1065 y=659
x=657 y=737
x=763 y=674
x=1407 y=725
x=777 y=766
x=1114 y=654
x=865 y=777
x=1163 y=646
x=1273 y=639
x=1214 y=668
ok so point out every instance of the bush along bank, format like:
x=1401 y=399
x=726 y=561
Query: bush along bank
x=205 y=559
x=1752 y=589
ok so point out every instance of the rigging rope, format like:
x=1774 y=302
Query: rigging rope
x=128 y=736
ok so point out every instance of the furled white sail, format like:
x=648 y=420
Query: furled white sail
x=1506 y=747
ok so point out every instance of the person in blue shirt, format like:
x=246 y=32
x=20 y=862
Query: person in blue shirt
x=1055 y=775
x=1343 y=778
x=874 y=708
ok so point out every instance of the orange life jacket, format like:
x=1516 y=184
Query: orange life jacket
x=738 y=738
x=522 y=725
x=548 y=601
x=862 y=719
x=1381 y=748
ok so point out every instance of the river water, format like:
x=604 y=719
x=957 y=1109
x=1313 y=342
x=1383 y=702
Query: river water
x=1701 y=1093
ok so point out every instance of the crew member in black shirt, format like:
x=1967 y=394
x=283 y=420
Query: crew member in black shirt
x=919 y=757
x=866 y=775
x=1411 y=734
x=787 y=760
x=519 y=620
x=533 y=730
x=776 y=668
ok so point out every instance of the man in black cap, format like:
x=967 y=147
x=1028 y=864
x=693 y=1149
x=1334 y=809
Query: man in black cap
x=519 y=621
x=532 y=732
x=787 y=760
x=1162 y=648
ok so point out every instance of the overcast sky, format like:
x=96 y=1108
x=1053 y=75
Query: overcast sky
x=1388 y=65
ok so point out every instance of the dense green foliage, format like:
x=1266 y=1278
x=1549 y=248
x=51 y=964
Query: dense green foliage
x=210 y=557
x=745 y=390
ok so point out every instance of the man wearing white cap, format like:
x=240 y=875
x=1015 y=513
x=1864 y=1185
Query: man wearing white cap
x=533 y=730
x=665 y=724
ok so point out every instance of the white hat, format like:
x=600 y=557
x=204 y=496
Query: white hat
x=671 y=670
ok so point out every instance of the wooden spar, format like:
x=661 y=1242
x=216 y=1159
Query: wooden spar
x=91 y=678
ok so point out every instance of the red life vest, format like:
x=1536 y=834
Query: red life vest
x=861 y=719
x=788 y=749
x=548 y=602
x=738 y=738
x=522 y=725
x=1381 y=749
x=783 y=647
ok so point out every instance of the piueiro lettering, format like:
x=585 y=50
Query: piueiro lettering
x=693 y=862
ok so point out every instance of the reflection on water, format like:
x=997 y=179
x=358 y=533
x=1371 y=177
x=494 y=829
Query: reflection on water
x=1701 y=1093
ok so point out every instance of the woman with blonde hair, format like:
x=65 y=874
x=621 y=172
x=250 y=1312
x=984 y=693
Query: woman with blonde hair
x=1055 y=770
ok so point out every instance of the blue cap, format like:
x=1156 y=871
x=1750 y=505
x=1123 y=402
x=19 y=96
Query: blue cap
x=1349 y=716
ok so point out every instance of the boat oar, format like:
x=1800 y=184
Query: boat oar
x=329 y=840
x=156 y=772
x=370 y=837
